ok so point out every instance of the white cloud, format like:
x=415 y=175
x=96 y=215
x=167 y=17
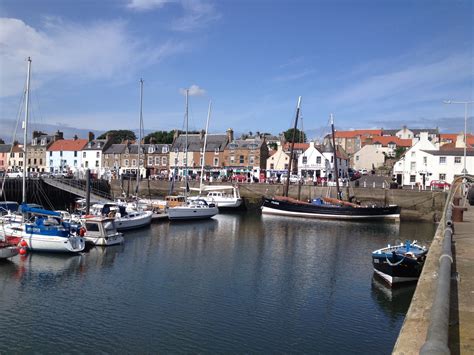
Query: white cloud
x=197 y=14
x=145 y=5
x=295 y=76
x=102 y=50
x=194 y=90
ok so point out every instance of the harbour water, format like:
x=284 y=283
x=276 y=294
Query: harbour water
x=236 y=283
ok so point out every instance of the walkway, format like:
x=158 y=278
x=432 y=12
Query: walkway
x=77 y=189
x=461 y=324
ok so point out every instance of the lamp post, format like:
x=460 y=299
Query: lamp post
x=465 y=103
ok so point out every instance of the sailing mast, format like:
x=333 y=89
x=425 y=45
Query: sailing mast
x=139 y=140
x=287 y=186
x=336 y=170
x=204 y=148
x=25 y=127
x=186 y=151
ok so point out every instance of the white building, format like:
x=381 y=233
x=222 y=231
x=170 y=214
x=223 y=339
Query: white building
x=319 y=162
x=65 y=155
x=92 y=156
x=369 y=157
x=278 y=162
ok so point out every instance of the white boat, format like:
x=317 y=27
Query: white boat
x=8 y=250
x=192 y=209
x=101 y=231
x=224 y=196
x=124 y=218
x=39 y=229
x=197 y=209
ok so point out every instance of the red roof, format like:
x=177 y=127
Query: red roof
x=68 y=145
x=301 y=146
x=358 y=132
x=385 y=140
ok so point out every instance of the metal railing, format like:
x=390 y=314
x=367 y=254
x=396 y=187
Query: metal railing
x=437 y=336
x=80 y=186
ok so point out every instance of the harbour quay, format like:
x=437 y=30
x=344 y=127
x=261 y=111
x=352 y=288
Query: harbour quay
x=440 y=319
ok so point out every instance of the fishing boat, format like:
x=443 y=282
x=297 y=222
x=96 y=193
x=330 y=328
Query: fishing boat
x=101 y=231
x=39 y=229
x=327 y=208
x=399 y=263
x=192 y=209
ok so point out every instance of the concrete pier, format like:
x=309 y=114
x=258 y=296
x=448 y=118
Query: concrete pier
x=461 y=324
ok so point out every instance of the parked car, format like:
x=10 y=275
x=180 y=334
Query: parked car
x=240 y=178
x=439 y=184
x=363 y=171
x=14 y=174
x=356 y=175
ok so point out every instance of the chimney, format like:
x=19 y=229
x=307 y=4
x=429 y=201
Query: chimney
x=201 y=134
x=37 y=134
x=58 y=135
x=75 y=137
x=91 y=136
x=176 y=134
x=230 y=134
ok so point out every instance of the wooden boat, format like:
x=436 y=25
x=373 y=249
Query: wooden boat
x=399 y=263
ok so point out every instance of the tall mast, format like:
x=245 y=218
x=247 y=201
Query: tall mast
x=204 y=148
x=186 y=151
x=336 y=170
x=139 y=138
x=287 y=186
x=25 y=127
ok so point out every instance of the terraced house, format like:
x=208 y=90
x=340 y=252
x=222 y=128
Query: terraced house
x=37 y=149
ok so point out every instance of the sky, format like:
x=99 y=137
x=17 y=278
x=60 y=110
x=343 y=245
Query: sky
x=372 y=63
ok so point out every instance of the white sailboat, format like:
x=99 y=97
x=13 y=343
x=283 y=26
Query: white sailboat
x=193 y=209
x=39 y=229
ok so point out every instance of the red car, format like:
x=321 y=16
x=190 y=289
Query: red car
x=240 y=178
x=439 y=184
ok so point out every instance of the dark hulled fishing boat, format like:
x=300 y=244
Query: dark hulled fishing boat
x=327 y=208
x=399 y=263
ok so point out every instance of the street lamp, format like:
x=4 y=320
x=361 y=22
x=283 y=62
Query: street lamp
x=465 y=103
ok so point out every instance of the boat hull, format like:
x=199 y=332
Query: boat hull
x=286 y=208
x=395 y=272
x=186 y=213
x=8 y=251
x=141 y=221
x=51 y=244
x=105 y=241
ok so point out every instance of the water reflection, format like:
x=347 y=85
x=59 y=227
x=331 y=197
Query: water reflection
x=394 y=301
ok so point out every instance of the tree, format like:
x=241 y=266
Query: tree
x=273 y=145
x=160 y=137
x=399 y=151
x=118 y=136
x=2 y=141
x=300 y=136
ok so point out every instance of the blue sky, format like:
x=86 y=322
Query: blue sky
x=372 y=63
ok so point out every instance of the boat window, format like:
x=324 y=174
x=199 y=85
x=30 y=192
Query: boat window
x=92 y=227
x=109 y=226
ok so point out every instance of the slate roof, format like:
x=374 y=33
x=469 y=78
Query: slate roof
x=5 y=148
x=95 y=144
x=358 y=132
x=196 y=142
x=116 y=149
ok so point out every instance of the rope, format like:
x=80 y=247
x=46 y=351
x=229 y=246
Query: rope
x=394 y=264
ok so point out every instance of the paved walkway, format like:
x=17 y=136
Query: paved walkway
x=461 y=333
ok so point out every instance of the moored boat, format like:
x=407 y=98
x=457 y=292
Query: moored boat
x=197 y=209
x=224 y=196
x=101 y=231
x=399 y=263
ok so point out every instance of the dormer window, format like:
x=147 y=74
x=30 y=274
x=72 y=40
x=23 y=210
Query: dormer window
x=216 y=151
x=90 y=144
x=233 y=146
x=44 y=141
x=176 y=150
x=35 y=141
x=98 y=145
x=151 y=149
x=164 y=150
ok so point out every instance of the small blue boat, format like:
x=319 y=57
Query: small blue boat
x=399 y=263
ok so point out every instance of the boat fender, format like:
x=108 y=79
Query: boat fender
x=82 y=231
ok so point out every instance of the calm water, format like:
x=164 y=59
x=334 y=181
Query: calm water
x=237 y=283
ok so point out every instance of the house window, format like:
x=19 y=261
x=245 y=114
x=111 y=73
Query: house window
x=87 y=164
x=150 y=160
x=216 y=161
x=251 y=160
x=305 y=160
x=51 y=162
x=164 y=161
x=116 y=156
x=50 y=154
x=60 y=153
x=126 y=162
x=97 y=155
x=157 y=160
x=232 y=159
x=412 y=165
x=425 y=160
x=413 y=154
x=43 y=141
x=442 y=160
x=332 y=158
x=41 y=162
x=286 y=166
x=75 y=153
x=96 y=163
x=84 y=154
x=457 y=160
x=412 y=178
x=357 y=158
x=134 y=162
x=216 y=151
x=164 y=150
x=318 y=160
x=241 y=159
x=175 y=161
x=151 y=149
x=442 y=177
x=201 y=161
x=272 y=166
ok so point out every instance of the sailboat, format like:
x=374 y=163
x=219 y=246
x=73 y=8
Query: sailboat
x=224 y=196
x=325 y=208
x=192 y=209
x=39 y=229
x=128 y=216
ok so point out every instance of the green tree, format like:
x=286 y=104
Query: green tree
x=118 y=136
x=399 y=151
x=160 y=137
x=273 y=145
x=2 y=141
x=300 y=136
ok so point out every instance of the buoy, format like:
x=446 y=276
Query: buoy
x=23 y=243
x=82 y=231
x=22 y=251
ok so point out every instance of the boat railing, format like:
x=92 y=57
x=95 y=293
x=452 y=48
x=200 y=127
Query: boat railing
x=437 y=336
